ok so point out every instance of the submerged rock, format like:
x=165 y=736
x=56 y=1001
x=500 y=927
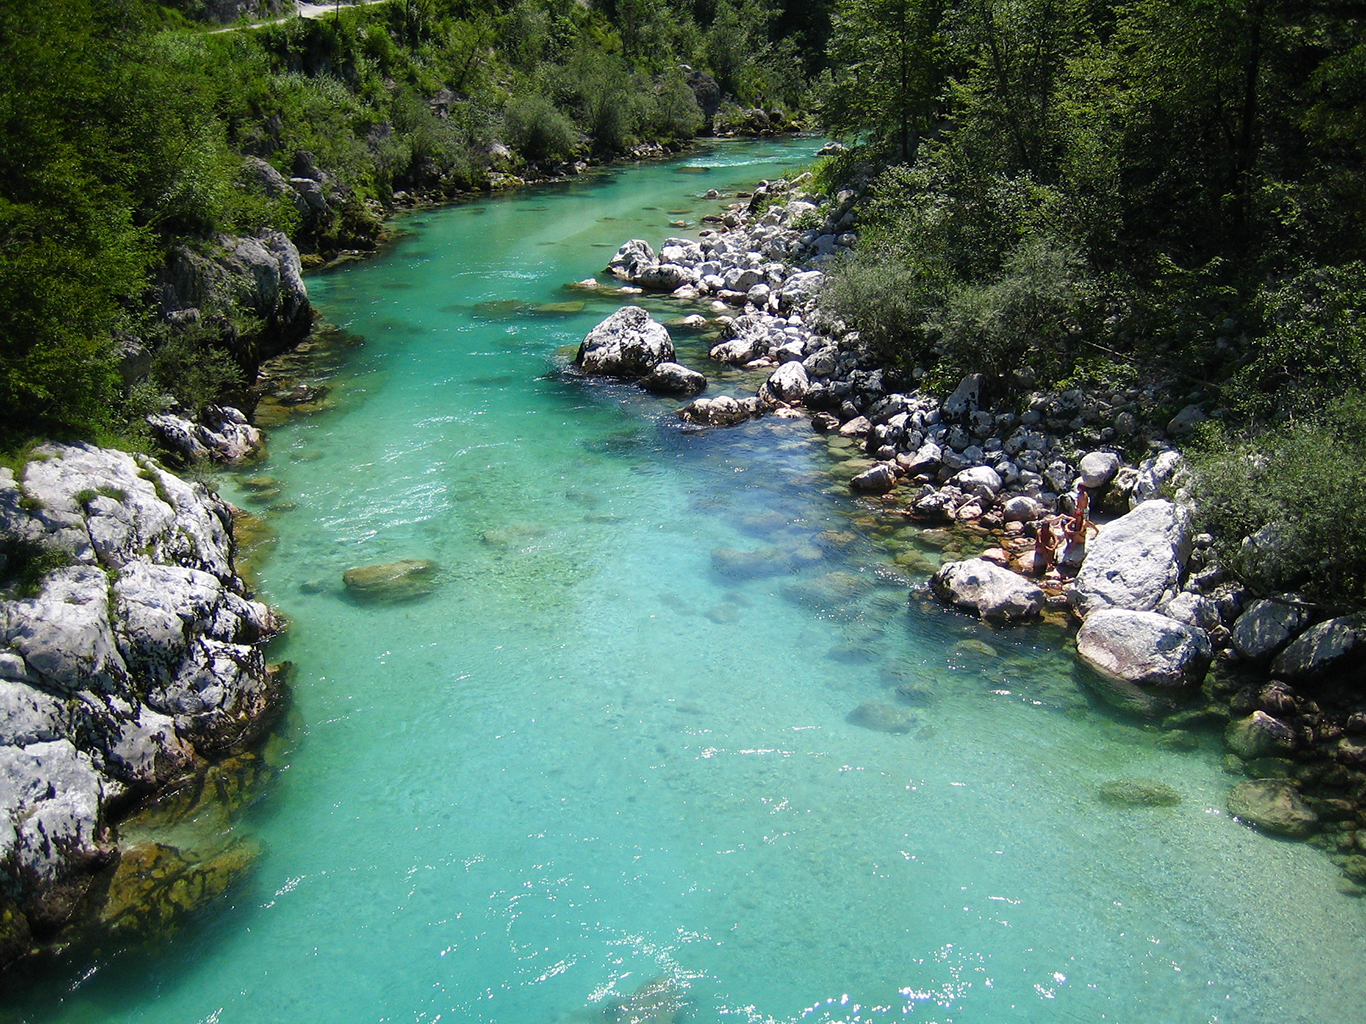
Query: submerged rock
x=659 y=1001
x=1274 y=805
x=1138 y=793
x=882 y=717
x=156 y=886
x=750 y=564
x=392 y=581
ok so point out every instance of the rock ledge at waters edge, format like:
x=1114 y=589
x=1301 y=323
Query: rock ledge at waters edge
x=1155 y=608
x=130 y=664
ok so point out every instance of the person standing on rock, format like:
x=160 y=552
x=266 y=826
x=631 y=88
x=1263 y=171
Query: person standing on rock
x=1074 y=530
x=1045 y=545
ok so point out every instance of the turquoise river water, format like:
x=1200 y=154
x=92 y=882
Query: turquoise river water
x=590 y=764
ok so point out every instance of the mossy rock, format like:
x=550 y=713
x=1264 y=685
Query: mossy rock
x=837 y=538
x=1273 y=805
x=1354 y=867
x=831 y=590
x=511 y=536
x=882 y=717
x=978 y=648
x=1269 y=768
x=15 y=939
x=1138 y=793
x=750 y=564
x=392 y=581
x=155 y=886
x=560 y=308
x=501 y=309
x=1178 y=739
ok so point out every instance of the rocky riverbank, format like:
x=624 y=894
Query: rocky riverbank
x=133 y=690
x=1165 y=633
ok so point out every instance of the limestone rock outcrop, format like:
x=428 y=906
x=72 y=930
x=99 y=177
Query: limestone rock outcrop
x=260 y=276
x=130 y=655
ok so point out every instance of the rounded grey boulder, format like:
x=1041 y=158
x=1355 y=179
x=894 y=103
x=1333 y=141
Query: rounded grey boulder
x=629 y=343
x=1330 y=647
x=1145 y=660
x=1266 y=626
x=671 y=378
x=878 y=479
x=1098 y=468
x=989 y=590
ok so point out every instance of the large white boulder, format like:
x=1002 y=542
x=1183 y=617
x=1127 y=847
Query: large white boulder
x=1097 y=469
x=982 y=481
x=1146 y=661
x=631 y=259
x=1135 y=559
x=629 y=343
x=789 y=382
x=986 y=588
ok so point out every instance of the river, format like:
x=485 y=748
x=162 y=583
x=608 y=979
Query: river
x=591 y=763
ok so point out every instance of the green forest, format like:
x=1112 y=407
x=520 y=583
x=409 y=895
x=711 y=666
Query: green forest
x=1096 y=191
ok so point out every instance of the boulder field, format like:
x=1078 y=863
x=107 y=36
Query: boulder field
x=1155 y=610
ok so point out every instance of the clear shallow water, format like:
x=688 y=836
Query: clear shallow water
x=590 y=761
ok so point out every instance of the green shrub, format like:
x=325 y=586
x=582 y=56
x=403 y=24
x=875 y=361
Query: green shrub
x=1313 y=344
x=29 y=564
x=1300 y=492
x=1032 y=312
x=539 y=130
x=889 y=301
x=190 y=365
x=675 y=114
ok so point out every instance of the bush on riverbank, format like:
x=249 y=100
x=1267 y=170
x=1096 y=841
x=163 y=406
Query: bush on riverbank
x=1287 y=506
x=1201 y=207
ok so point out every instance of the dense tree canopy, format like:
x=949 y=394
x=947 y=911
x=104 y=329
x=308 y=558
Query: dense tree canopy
x=123 y=129
x=1162 y=187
